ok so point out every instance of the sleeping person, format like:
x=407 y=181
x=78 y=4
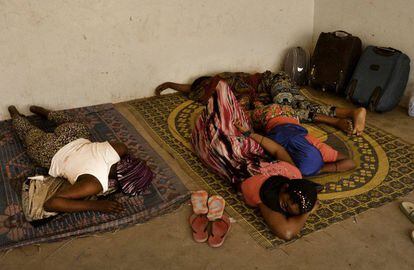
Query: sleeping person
x=68 y=153
x=278 y=88
x=280 y=123
x=274 y=185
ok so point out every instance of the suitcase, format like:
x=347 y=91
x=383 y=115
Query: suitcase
x=296 y=65
x=380 y=78
x=334 y=59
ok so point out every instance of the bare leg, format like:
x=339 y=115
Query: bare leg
x=70 y=198
x=58 y=117
x=357 y=115
x=183 y=88
x=343 y=124
x=342 y=164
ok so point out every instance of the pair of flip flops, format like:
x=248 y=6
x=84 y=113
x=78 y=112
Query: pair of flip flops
x=408 y=209
x=209 y=210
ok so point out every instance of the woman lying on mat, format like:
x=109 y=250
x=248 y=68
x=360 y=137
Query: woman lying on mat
x=285 y=204
x=271 y=87
x=281 y=126
x=68 y=153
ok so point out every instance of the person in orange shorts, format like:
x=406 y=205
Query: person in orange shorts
x=281 y=124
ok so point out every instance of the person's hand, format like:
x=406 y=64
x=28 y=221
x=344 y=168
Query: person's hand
x=110 y=206
x=240 y=126
x=161 y=88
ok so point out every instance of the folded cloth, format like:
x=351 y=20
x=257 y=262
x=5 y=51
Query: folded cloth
x=35 y=192
x=133 y=175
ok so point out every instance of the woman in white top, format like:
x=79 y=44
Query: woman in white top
x=68 y=153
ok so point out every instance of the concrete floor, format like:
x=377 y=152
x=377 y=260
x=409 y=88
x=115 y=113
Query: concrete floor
x=376 y=239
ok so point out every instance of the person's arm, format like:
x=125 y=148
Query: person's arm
x=183 y=88
x=284 y=227
x=71 y=199
x=273 y=148
x=342 y=164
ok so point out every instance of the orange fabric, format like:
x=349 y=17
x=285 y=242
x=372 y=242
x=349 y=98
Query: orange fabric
x=251 y=189
x=328 y=153
x=251 y=186
x=280 y=120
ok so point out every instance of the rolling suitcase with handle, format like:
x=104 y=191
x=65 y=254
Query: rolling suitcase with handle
x=334 y=59
x=379 y=79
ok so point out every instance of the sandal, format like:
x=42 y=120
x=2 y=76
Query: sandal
x=199 y=202
x=199 y=225
x=216 y=205
x=219 y=231
x=408 y=209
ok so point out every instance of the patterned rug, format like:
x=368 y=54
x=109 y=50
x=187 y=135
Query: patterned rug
x=165 y=194
x=385 y=168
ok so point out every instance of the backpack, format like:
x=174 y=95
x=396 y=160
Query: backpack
x=296 y=65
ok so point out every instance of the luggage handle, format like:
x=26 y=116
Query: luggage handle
x=375 y=98
x=342 y=32
x=386 y=51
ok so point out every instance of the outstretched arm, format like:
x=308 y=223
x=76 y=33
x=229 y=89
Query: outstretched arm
x=183 y=88
x=342 y=164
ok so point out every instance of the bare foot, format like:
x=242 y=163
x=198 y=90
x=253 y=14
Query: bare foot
x=39 y=111
x=345 y=125
x=13 y=111
x=358 y=118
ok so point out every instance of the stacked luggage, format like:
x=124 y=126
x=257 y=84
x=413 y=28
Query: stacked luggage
x=375 y=80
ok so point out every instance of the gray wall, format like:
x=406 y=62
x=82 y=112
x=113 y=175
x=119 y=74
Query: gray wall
x=65 y=54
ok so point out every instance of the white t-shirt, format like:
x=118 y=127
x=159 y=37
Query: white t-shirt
x=84 y=157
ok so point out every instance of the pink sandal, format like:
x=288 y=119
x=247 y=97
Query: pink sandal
x=199 y=202
x=219 y=231
x=216 y=205
x=199 y=225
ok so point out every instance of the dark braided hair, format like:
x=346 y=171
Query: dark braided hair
x=302 y=192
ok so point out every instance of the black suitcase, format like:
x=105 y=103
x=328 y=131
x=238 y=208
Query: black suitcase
x=380 y=78
x=334 y=59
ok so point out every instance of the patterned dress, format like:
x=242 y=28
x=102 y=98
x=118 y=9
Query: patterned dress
x=222 y=147
x=266 y=88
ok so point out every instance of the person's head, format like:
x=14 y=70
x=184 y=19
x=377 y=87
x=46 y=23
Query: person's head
x=199 y=82
x=293 y=197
